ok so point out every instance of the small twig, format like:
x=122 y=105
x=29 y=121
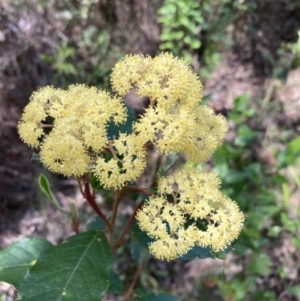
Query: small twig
x=117 y=200
x=138 y=189
x=75 y=227
x=80 y=187
x=127 y=226
x=89 y=197
x=41 y=125
x=131 y=219
x=134 y=281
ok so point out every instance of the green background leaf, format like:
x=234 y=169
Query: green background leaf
x=142 y=294
x=143 y=240
x=96 y=224
x=197 y=252
x=77 y=270
x=35 y=156
x=116 y=285
x=113 y=130
x=16 y=259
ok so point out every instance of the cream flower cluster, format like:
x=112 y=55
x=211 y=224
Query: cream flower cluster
x=174 y=121
x=195 y=197
x=70 y=128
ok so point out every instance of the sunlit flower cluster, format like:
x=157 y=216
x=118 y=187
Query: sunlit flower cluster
x=127 y=163
x=174 y=121
x=70 y=128
x=185 y=199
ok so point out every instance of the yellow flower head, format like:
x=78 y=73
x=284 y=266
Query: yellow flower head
x=196 y=197
x=64 y=154
x=36 y=112
x=198 y=133
x=78 y=131
x=166 y=80
x=206 y=134
x=127 y=163
x=87 y=114
x=164 y=222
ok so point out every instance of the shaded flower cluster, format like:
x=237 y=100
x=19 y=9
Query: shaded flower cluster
x=185 y=199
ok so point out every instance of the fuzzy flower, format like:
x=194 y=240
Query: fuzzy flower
x=64 y=154
x=35 y=113
x=197 y=133
x=207 y=132
x=166 y=80
x=196 y=198
x=164 y=222
x=78 y=131
x=87 y=114
x=127 y=163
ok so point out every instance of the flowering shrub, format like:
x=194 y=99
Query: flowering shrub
x=183 y=210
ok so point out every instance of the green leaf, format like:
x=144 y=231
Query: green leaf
x=116 y=285
x=96 y=224
x=241 y=103
x=114 y=130
x=74 y=213
x=292 y=151
x=245 y=136
x=264 y=295
x=95 y=183
x=197 y=252
x=35 y=156
x=261 y=264
x=17 y=258
x=45 y=187
x=142 y=294
x=294 y=290
x=77 y=270
x=140 y=253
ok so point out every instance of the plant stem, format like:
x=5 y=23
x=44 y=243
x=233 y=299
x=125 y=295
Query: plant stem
x=134 y=281
x=75 y=227
x=126 y=228
x=80 y=187
x=118 y=197
x=137 y=189
x=91 y=200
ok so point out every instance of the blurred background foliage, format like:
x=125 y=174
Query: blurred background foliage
x=248 y=55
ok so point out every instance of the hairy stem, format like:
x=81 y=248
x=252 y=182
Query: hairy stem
x=90 y=197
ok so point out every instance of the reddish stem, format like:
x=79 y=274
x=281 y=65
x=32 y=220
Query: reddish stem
x=127 y=226
x=75 y=227
x=91 y=200
x=134 y=281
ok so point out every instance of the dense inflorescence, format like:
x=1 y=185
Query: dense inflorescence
x=70 y=129
x=195 y=198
